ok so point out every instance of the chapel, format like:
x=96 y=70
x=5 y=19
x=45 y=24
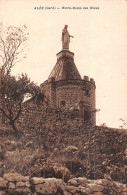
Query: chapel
x=65 y=88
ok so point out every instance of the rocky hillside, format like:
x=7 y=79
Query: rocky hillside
x=60 y=146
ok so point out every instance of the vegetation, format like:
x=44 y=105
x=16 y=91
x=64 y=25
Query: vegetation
x=56 y=143
x=12 y=43
x=60 y=146
x=13 y=90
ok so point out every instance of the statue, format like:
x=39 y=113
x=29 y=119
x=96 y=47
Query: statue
x=65 y=38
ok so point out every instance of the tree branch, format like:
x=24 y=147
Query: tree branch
x=4 y=113
x=18 y=114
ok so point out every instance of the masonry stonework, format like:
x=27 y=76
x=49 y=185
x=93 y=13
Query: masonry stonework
x=14 y=183
x=66 y=89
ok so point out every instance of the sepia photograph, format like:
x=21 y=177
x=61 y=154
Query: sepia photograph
x=63 y=85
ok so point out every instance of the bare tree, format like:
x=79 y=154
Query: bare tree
x=12 y=42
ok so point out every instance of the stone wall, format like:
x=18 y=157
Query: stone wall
x=70 y=93
x=32 y=115
x=37 y=116
x=16 y=184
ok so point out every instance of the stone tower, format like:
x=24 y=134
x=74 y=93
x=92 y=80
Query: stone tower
x=66 y=89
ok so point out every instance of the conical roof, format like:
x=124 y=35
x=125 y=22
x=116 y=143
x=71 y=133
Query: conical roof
x=65 y=68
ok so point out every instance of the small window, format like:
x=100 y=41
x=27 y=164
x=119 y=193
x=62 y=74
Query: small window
x=63 y=103
x=87 y=92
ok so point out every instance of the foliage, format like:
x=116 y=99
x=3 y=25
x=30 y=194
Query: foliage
x=83 y=150
x=13 y=91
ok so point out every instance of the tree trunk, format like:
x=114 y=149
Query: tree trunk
x=12 y=123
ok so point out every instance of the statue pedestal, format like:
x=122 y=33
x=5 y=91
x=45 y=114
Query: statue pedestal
x=65 y=53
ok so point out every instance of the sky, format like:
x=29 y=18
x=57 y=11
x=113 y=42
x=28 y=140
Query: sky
x=99 y=45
